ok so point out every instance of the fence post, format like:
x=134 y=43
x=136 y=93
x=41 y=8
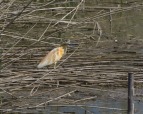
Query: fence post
x=130 y=93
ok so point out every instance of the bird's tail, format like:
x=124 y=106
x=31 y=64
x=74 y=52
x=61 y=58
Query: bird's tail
x=42 y=64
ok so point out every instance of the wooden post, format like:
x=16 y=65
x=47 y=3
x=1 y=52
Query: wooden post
x=130 y=93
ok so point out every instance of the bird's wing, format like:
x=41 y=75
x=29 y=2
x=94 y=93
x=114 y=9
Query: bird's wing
x=48 y=59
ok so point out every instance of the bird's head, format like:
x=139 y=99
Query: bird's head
x=69 y=44
x=65 y=44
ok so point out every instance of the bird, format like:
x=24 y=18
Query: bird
x=53 y=56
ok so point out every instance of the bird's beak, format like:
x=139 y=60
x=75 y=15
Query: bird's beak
x=72 y=45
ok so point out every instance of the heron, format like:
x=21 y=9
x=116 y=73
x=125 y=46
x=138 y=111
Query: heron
x=53 y=56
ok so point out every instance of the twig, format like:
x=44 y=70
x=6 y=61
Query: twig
x=75 y=11
x=55 y=98
x=12 y=20
x=92 y=106
x=89 y=88
x=118 y=10
x=89 y=98
x=99 y=31
x=44 y=31
x=30 y=39
x=33 y=91
x=8 y=93
x=19 y=40
x=64 y=17
x=10 y=4
x=110 y=21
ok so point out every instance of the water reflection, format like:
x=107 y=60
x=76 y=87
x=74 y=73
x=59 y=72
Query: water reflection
x=108 y=107
x=97 y=107
x=101 y=106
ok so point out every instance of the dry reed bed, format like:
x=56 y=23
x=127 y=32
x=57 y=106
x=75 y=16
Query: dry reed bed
x=75 y=81
x=85 y=67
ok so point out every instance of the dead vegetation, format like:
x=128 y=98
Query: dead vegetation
x=104 y=53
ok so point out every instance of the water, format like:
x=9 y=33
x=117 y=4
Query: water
x=109 y=106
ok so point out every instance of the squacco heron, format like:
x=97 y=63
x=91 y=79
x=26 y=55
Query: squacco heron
x=53 y=56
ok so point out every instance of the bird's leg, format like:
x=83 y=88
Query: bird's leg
x=55 y=65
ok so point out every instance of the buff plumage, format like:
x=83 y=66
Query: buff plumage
x=53 y=56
